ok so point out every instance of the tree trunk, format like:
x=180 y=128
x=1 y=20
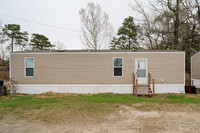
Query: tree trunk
x=129 y=41
x=189 y=60
x=12 y=44
x=176 y=25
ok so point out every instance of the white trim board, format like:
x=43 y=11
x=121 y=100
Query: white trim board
x=85 y=89
x=10 y=67
x=191 y=68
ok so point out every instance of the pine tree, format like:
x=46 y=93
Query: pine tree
x=127 y=34
x=14 y=33
x=40 y=42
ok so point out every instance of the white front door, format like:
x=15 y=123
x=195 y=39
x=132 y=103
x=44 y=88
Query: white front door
x=141 y=70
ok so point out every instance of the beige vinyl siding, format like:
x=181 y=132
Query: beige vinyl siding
x=195 y=66
x=97 y=68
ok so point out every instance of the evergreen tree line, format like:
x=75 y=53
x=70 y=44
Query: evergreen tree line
x=16 y=38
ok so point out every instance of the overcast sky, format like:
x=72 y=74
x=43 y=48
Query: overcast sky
x=60 y=13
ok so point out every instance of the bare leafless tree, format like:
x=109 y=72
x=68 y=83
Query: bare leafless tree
x=97 y=31
x=60 y=45
x=172 y=24
x=148 y=35
x=4 y=54
x=1 y=34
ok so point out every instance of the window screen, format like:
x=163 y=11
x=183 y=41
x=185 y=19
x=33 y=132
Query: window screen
x=141 y=73
x=117 y=63
x=29 y=66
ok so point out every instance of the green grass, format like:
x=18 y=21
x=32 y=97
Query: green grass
x=56 y=107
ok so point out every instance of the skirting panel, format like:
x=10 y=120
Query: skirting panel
x=84 y=89
x=196 y=82
x=169 y=88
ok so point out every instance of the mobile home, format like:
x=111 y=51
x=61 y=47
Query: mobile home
x=195 y=70
x=97 y=71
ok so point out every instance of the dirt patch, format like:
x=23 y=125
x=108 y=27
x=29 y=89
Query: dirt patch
x=127 y=119
x=167 y=107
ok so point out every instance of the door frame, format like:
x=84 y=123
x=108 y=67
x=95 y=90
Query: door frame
x=146 y=59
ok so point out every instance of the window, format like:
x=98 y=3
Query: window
x=117 y=63
x=29 y=67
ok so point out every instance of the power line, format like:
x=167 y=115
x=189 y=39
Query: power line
x=19 y=8
x=9 y=10
x=53 y=26
x=16 y=14
x=48 y=33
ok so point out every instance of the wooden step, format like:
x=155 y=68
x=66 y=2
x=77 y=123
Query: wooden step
x=143 y=85
x=141 y=88
x=150 y=94
x=144 y=91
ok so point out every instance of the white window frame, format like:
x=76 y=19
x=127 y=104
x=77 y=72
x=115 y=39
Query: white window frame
x=117 y=67
x=31 y=67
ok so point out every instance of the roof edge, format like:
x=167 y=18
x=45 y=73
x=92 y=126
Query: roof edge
x=95 y=51
x=195 y=54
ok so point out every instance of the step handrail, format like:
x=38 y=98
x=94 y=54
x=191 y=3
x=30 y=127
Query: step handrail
x=150 y=81
x=149 y=78
x=136 y=87
x=153 y=88
x=153 y=82
x=133 y=83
